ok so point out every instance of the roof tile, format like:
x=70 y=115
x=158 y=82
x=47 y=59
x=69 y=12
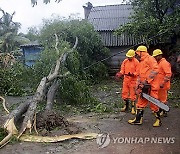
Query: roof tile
x=109 y=17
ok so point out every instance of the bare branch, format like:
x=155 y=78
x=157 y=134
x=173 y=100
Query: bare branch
x=57 y=42
x=51 y=94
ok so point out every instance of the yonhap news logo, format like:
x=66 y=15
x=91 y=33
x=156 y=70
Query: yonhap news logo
x=144 y=140
x=103 y=140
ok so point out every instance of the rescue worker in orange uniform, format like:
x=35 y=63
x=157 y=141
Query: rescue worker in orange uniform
x=129 y=69
x=147 y=81
x=164 y=77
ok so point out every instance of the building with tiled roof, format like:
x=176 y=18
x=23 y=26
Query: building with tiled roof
x=106 y=19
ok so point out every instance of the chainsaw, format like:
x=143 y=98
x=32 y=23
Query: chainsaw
x=155 y=101
x=145 y=91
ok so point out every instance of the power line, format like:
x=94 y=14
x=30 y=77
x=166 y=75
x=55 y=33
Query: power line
x=150 y=39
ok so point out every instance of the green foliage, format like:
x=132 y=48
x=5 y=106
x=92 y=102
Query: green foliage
x=73 y=63
x=174 y=93
x=32 y=34
x=12 y=80
x=98 y=73
x=89 y=48
x=101 y=108
x=9 y=37
x=3 y=134
x=43 y=66
x=151 y=18
x=75 y=91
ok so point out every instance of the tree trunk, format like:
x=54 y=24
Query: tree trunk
x=51 y=94
x=29 y=107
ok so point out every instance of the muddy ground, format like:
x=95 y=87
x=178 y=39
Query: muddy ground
x=149 y=140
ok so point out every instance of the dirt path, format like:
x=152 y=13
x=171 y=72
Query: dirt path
x=145 y=139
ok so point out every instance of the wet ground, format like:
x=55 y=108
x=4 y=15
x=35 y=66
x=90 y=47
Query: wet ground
x=149 y=140
x=119 y=137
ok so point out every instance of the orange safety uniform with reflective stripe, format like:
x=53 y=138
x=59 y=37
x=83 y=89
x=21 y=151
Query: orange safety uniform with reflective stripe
x=164 y=76
x=129 y=82
x=148 y=70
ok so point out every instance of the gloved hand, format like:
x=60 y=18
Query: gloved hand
x=146 y=87
x=130 y=74
x=161 y=85
x=145 y=82
x=118 y=75
x=138 y=89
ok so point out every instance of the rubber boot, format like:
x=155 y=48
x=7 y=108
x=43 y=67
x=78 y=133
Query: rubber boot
x=138 y=119
x=126 y=106
x=158 y=120
x=133 y=108
x=163 y=113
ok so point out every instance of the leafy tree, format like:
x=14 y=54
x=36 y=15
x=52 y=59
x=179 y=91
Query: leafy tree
x=12 y=80
x=153 y=17
x=9 y=38
x=11 y=77
x=32 y=34
x=90 y=47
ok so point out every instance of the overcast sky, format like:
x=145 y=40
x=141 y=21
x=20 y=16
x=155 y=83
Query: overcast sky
x=32 y=16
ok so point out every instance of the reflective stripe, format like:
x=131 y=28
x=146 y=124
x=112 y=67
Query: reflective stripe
x=166 y=78
x=153 y=74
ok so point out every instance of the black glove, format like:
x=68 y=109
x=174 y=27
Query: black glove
x=146 y=88
x=130 y=74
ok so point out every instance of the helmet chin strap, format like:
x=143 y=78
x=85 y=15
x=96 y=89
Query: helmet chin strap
x=138 y=57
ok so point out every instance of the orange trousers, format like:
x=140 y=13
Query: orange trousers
x=162 y=95
x=142 y=102
x=128 y=90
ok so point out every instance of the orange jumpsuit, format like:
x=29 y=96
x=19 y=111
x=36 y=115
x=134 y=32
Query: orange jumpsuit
x=129 y=82
x=148 y=70
x=164 y=76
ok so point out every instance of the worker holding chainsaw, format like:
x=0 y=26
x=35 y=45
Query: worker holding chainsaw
x=147 y=83
x=129 y=69
x=164 y=77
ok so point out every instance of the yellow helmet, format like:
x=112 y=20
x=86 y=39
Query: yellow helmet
x=142 y=48
x=157 y=52
x=130 y=53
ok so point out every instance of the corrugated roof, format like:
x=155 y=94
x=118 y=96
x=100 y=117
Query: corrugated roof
x=31 y=44
x=109 y=17
x=110 y=39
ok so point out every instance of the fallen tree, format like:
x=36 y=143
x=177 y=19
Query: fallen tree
x=26 y=112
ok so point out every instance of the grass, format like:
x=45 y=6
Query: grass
x=174 y=93
x=3 y=134
x=106 y=99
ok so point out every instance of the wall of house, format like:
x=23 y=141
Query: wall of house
x=31 y=54
x=115 y=61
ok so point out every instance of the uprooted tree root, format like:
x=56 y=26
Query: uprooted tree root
x=49 y=120
x=45 y=123
x=24 y=117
